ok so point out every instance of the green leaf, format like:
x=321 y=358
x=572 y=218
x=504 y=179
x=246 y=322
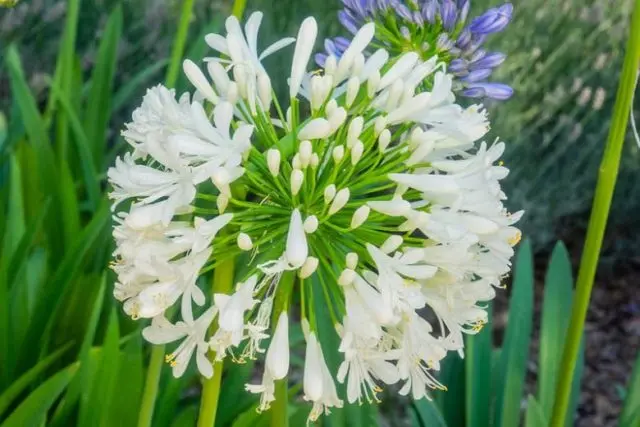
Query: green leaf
x=630 y=416
x=123 y=97
x=452 y=375
x=534 y=416
x=33 y=410
x=21 y=384
x=15 y=220
x=515 y=353
x=81 y=379
x=187 y=417
x=233 y=397
x=428 y=413
x=558 y=290
x=478 y=351
x=69 y=203
x=125 y=404
x=83 y=147
x=99 y=100
x=95 y=411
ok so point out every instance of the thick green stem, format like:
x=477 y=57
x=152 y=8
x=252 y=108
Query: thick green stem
x=238 y=8
x=152 y=380
x=179 y=43
x=151 y=387
x=598 y=222
x=223 y=284
x=279 y=415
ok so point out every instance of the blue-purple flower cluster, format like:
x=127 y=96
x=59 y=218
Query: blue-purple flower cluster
x=433 y=27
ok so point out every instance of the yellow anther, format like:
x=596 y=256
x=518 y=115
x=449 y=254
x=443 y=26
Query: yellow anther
x=173 y=363
x=515 y=239
x=169 y=357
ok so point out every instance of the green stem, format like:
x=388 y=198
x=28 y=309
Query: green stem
x=238 y=8
x=597 y=224
x=151 y=386
x=179 y=43
x=222 y=283
x=279 y=415
x=152 y=380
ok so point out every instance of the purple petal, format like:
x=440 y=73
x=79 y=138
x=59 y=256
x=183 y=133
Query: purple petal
x=477 y=75
x=449 y=14
x=321 y=59
x=491 y=60
x=493 y=20
x=430 y=10
x=474 y=92
x=497 y=91
x=464 y=39
x=348 y=22
x=402 y=10
x=458 y=66
x=463 y=6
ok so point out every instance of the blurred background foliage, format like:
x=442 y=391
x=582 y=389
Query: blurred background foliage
x=71 y=72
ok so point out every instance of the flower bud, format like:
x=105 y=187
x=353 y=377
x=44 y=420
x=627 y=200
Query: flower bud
x=341 y=199
x=337 y=118
x=352 y=260
x=380 y=124
x=316 y=129
x=373 y=83
x=360 y=216
x=330 y=65
x=315 y=161
x=264 y=91
x=296 y=163
x=277 y=359
x=331 y=107
x=306 y=150
x=273 y=161
x=297 y=176
x=356 y=152
x=384 y=140
x=221 y=180
x=391 y=244
x=338 y=153
x=395 y=92
x=310 y=224
x=346 y=277
x=309 y=267
x=233 y=94
x=198 y=79
x=355 y=129
x=244 y=242
x=222 y=202
x=353 y=87
x=329 y=193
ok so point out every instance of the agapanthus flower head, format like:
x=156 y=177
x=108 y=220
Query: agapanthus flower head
x=370 y=189
x=432 y=28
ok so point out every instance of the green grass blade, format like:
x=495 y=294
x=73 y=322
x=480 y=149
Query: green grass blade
x=428 y=413
x=33 y=410
x=123 y=97
x=101 y=93
x=478 y=351
x=574 y=398
x=515 y=353
x=83 y=146
x=48 y=303
x=630 y=416
x=452 y=375
x=69 y=203
x=33 y=374
x=534 y=416
x=15 y=219
x=125 y=403
x=75 y=388
x=95 y=411
x=558 y=289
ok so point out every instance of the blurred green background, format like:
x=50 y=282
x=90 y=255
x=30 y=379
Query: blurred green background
x=71 y=73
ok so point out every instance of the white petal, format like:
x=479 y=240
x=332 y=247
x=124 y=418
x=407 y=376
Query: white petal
x=304 y=46
x=296 y=250
x=277 y=360
x=198 y=79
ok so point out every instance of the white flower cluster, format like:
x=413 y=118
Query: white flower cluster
x=380 y=196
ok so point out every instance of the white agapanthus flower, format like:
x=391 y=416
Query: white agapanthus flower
x=371 y=188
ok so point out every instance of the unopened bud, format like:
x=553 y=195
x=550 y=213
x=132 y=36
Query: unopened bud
x=309 y=267
x=360 y=216
x=346 y=277
x=380 y=124
x=384 y=140
x=297 y=176
x=329 y=193
x=330 y=65
x=296 y=163
x=352 y=260
x=373 y=83
x=338 y=153
x=273 y=161
x=337 y=118
x=315 y=161
x=391 y=244
x=264 y=91
x=341 y=199
x=353 y=87
x=222 y=202
x=310 y=224
x=356 y=152
x=244 y=242
x=355 y=129
x=306 y=150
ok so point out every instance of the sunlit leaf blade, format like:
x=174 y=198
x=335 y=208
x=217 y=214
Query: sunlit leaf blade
x=558 y=290
x=34 y=408
x=428 y=413
x=534 y=416
x=452 y=375
x=630 y=416
x=515 y=352
x=125 y=404
x=100 y=96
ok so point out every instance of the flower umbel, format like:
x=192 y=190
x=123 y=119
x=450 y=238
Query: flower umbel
x=432 y=28
x=369 y=188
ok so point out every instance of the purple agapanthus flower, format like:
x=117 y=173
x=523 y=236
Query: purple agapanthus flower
x=433 y=27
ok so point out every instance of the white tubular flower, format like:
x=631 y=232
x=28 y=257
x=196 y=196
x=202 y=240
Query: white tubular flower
x=318 y=384
x=370 y=189
x=231 y=320
x=163 y=332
